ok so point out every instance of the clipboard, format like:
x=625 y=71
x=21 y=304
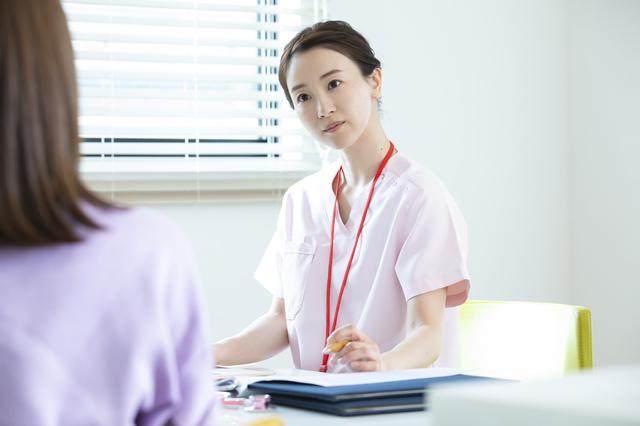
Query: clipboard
x=360 y=399
x=356 y=407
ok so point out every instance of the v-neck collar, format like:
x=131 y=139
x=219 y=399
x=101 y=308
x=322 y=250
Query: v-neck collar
x=329 y=198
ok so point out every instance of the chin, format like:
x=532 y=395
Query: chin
x=335 y=141
x=334 y=145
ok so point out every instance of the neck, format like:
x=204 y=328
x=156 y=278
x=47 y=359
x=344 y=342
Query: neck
x=360 y=161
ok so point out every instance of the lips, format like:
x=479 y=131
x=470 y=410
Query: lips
x=333 y=127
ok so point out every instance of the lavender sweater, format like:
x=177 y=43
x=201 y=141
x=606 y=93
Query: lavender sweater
x=108 y=331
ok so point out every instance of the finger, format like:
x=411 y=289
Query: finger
x=365 y=366
x=346 y=349
x=336 y=359
x=332 y=360
x=361 y=352
x=350 y=347
x=348 y=331
x=336 y=346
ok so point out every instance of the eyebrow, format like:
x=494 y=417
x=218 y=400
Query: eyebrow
x=323 y=76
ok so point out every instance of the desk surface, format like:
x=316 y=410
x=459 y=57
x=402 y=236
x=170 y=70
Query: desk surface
x=606 y=396
x=295 y=417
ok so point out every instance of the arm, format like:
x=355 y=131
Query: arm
x=420 y=348
x=265 y=337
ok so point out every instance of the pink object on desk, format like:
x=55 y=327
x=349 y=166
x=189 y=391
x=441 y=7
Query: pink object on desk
x=252 y=403
x=259 y=402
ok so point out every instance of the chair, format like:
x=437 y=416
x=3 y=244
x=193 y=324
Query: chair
x=524 y=340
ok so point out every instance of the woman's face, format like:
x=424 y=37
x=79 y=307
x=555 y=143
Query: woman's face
x=334 y=102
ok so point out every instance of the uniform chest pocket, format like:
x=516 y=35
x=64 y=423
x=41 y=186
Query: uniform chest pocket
x=296 y=264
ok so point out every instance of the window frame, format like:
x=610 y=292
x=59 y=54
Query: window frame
x=207 y=176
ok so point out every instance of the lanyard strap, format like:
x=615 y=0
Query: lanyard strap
x=330 y=329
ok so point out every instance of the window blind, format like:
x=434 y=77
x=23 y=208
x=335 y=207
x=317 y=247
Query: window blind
x=179 y=99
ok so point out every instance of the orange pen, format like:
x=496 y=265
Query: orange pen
x=335 y=347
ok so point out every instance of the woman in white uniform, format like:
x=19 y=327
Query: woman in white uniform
x=371 y=250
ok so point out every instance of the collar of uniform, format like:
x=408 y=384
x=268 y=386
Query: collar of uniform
x=397 y=164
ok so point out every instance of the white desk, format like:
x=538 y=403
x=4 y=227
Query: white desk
x=296 y=417
x=608 y=396
x=605 y=397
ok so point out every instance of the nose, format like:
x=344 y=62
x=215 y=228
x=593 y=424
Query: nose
x=325 y=106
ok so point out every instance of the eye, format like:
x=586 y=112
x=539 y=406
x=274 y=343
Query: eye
x=334 y=83
x=302 y=97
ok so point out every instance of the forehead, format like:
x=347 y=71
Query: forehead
x=307 y=67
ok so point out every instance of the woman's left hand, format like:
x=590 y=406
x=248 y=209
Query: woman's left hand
x=360 y=354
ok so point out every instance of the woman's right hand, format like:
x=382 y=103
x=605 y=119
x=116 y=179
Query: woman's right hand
x=216 y=354
x=265 y=337
x=360 y=354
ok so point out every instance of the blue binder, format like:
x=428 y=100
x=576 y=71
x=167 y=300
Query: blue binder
x=355 y=400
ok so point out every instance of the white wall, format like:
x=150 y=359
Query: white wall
x=229 y=241
x=478 y=92
x=604 y=94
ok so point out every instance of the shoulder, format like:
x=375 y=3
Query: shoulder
x=141 y=228
x=312 y=183
x=135 y=219
x=423 y=182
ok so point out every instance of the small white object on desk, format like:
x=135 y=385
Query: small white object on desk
x=605 y=397
x=224 y=372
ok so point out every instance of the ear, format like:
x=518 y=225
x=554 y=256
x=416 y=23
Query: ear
x=376 y=83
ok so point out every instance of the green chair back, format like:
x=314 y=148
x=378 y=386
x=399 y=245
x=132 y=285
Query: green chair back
x=524 y=340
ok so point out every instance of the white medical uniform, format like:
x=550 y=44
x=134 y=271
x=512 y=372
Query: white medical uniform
x=414 y=241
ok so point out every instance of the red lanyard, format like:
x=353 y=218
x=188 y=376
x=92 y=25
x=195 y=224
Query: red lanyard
x=330 y=329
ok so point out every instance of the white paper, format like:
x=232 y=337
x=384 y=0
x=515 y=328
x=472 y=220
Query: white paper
x=223 y=372
x=343 y=379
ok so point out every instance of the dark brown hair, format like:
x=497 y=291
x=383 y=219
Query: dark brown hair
x=40 y=189
x=334 y=35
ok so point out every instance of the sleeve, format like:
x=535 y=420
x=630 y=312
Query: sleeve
x=269 y=272
x=434 y=252
x=182 y=371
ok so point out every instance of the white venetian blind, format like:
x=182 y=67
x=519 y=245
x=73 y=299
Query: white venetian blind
x=180 y=98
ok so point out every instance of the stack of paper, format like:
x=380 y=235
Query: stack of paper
x=358 y=393
x=223 y=372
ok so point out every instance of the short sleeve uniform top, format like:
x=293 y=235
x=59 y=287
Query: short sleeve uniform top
x=414 y=241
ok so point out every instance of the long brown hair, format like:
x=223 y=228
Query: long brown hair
x=40 y=189
x=334 y=35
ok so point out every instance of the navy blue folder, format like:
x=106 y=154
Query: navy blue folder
x=354 y=400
